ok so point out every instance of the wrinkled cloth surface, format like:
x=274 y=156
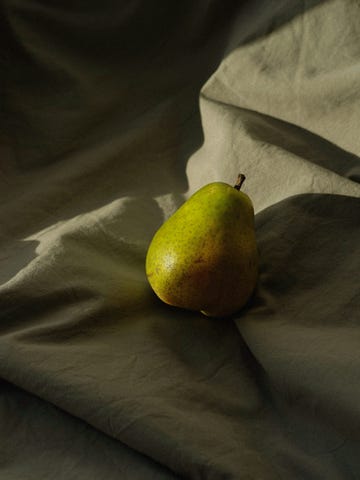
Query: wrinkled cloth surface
x=112 y=114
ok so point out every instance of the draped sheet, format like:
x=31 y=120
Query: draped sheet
x=112 y=115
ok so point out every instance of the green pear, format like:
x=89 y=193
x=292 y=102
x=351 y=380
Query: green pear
x=204 y=257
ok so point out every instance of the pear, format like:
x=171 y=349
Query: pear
x=205 y=257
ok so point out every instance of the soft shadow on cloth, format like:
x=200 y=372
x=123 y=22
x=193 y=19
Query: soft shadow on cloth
x=144 y=116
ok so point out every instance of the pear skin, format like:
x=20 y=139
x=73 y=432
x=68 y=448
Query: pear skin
x=205 y=257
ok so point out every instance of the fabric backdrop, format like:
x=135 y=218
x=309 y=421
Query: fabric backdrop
x=112 y=114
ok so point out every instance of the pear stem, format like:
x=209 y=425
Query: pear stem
x=240 y=180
